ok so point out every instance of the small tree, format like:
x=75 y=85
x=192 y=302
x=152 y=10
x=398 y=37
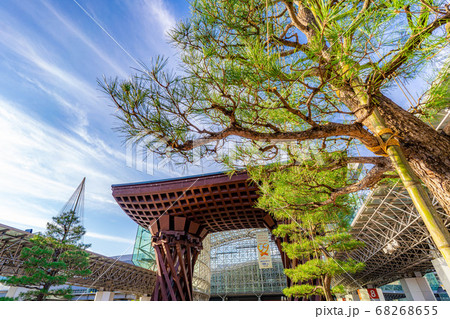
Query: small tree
x=53 y=258
x=315 y=234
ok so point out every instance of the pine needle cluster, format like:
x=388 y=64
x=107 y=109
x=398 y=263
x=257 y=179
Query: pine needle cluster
x=316 y=236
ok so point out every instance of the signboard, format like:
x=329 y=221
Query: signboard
x=373 y=294
x=370 y=294
x=263 y=250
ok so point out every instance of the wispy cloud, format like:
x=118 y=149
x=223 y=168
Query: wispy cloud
x=80 y=116
x=40 y=166
x=113 y=65
x=39 y=161
x=56 y=129
x=152 y=19
x=110 y=238
x=35 y=56
x=24 y=214
x=158 y=10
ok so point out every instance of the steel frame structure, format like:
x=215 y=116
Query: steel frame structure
x=107 y=273
x=397 y=242
x=201 y=282
x=234 y=266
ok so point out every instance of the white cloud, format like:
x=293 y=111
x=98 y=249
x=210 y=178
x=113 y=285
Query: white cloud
x=24 y=213
x=24 y=222
x=159 y=11
x=71 y=108
x=110 y=238
x=68 y=23
x=42 y=162
x=37 y=57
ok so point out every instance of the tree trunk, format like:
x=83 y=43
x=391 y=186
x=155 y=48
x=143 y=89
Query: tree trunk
x=427 y=151
x=326 y=284
x=42 y=296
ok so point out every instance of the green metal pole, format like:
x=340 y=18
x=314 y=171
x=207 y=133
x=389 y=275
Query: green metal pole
x=419 y=196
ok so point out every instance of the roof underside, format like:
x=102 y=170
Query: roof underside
x=397 y=242
x=218 y=202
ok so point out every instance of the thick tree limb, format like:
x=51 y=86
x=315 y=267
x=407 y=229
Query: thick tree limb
x=317 y=132
x=375 y=160
x=302 y=18
x=376 y=174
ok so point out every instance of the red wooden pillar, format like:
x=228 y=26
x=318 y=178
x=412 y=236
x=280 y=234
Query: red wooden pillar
x=177 y=242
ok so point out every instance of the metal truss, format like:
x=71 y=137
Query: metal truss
x=112 y=275
x=107 y=273
x=234 y=265
x=11 y=243
x=397 y=242
x=202 y=272
x=222 y=238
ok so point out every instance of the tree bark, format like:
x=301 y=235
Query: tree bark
x=427 y=151
x=326 y=284
x=42 y=296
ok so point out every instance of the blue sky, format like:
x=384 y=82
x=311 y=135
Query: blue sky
x=56 y=126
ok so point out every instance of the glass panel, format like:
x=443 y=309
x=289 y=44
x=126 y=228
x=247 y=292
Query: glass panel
x=235 y=269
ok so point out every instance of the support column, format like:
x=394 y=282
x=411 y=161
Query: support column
x=348 y=297
x=104 y=296
x=145 y=298
x=14 y=292
x=177 y=242
x=380 y=294
x=417 y=289
x=443 y=272
x=363 y=295
x=354 y=296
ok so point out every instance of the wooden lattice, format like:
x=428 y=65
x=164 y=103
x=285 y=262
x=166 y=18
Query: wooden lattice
x=217 y=202
x=181 y=212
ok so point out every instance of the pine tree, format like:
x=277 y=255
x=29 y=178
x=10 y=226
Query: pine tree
x=300 y=70
x=52 y=259
x=264 y=71
x=316 y=234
